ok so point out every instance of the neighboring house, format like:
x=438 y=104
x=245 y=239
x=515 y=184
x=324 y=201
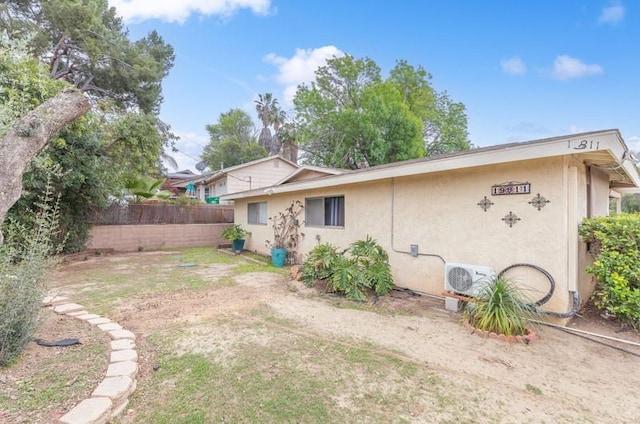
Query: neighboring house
x=488 y=207
x=175 y=180
x=247 y=176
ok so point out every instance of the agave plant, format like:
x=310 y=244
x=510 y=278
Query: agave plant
x=500 y=307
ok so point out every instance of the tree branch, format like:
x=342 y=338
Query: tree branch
x=29 y=135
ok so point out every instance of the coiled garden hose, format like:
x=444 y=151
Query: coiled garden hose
x=552 y=283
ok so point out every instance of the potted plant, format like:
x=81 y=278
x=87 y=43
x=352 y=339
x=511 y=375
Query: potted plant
x=285 y=233
x=236 y=235
x=501 y=310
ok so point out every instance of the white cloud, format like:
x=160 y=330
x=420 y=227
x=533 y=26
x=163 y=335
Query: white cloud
x=574 y=129
x=513 y=66
x=189 y=149
x=301 y=67
x=566 y=67
x=180 y=10
x=611 y=14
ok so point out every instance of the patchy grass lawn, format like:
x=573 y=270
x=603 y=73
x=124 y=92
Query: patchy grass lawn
x=276 y=373
x=102 y=289
x=225 y=339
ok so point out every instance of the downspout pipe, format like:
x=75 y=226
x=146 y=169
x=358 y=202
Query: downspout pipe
x=574 y=308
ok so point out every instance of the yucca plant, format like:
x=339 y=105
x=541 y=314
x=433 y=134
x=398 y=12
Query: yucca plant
x=500 y=307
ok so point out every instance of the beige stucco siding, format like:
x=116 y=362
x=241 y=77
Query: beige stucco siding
x=433 y=203
x=439 y=212
x=366 y=212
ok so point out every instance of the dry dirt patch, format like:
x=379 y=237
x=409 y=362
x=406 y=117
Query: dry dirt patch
x=46 y=382
x=558 y=378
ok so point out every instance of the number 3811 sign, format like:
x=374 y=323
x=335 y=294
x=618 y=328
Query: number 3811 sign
x=511 y=188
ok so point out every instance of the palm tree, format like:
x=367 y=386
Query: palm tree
x=265 y=107
x=279 y=118
x=287 y=135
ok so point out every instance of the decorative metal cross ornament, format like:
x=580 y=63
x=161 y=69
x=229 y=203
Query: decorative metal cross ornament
x=510 y=219
x=485 y=203
x=539 y=202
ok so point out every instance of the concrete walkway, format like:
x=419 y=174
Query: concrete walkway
x=111 y=396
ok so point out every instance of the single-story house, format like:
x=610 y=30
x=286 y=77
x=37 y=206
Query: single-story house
x=477 y=211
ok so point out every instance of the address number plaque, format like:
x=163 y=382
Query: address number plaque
x=511 y=187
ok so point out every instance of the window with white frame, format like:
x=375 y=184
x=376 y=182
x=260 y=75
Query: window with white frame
x=324 y=211
x=257 y=213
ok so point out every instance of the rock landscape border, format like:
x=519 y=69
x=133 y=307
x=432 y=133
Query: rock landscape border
x=111 y=397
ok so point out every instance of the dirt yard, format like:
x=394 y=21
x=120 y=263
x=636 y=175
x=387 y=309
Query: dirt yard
x=559 y=378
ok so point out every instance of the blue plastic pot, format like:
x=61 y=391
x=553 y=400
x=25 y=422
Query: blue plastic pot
x=278 y=257
x=237 y=245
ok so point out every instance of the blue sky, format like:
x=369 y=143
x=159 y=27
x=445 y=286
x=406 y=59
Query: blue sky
x=524 y=69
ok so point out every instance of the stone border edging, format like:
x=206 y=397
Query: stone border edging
x=111 y=397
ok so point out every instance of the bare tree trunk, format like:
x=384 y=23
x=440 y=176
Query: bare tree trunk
x=28 y=136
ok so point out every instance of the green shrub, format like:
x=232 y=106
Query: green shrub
x=500 y=307
x=615 y=242
x=363 y=267
x=319 y=263
x=24 y=258
x=235 y=232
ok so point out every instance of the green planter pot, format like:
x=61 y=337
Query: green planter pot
x=278 y=257
x=237 y=245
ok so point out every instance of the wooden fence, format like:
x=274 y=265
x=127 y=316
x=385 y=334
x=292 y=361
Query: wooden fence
x=161 y=213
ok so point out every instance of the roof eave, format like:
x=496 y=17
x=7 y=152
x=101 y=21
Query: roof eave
x=539 y=149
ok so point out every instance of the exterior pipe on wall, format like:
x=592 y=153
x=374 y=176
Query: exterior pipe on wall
x=393 y=247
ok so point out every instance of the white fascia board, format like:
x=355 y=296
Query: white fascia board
x=598 y=141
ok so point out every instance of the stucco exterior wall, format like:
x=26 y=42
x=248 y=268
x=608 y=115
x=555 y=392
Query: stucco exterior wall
x=439 y=212
x=129 y=238
x=599 y=193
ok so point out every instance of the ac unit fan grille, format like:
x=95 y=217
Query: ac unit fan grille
x=460 y=279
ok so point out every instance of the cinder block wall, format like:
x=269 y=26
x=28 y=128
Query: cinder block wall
x=128 y=238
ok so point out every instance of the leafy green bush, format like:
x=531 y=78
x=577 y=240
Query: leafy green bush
x=500 y=307
x=615 y=242
x=319 y=264
x=24 y=259
x=235 y=232
x=353 y=272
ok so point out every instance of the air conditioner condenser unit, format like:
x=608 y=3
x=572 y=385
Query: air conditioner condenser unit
x=466 y=279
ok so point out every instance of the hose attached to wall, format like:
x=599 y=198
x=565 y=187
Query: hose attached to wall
x=552 y=287
x=552 y=283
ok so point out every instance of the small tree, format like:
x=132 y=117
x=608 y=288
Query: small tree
x=285 y=228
